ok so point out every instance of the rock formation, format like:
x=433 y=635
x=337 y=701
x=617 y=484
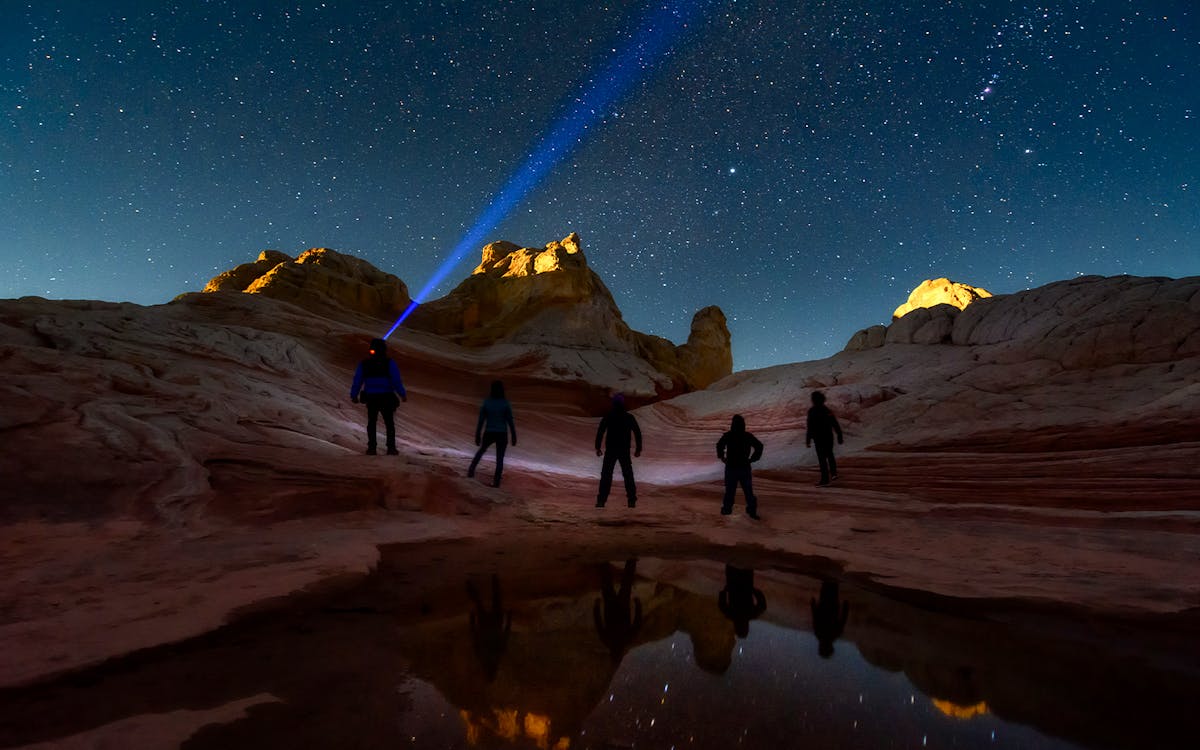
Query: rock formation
x=550 y=297
x=1090 y=321
x=320 y=280
x=933 y=292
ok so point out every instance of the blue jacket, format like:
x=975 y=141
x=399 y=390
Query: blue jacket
x=496 y=415
x=377 y=375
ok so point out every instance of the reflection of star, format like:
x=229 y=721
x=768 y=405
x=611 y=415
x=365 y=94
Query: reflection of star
x=733 y=170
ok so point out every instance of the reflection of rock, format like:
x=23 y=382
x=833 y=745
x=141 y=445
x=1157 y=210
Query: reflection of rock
x=549 y=296
x=320 y=280
x=933 y=292
x=556 y=668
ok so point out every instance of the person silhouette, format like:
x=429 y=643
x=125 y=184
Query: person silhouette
x=619 y=424
x=378 y=380
x=737 y=449
x=828 y=618
x=496 y=414
x=821 y=426
x=489 y=628
x=739 y=601
x=621 y=618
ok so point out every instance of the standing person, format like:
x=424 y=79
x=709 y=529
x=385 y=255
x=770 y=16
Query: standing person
x=737 y=449
x=496 y=414
x=619 y=424
x=821 y=428
x=378 y=379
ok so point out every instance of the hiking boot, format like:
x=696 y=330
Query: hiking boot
x=370 y=450
x=726 y=511
x=393 y=452
x=754 y=514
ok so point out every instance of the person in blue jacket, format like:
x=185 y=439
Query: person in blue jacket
x=376 y=384
x=496 y=415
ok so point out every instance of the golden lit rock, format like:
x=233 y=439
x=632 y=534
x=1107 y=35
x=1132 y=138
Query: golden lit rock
x=942 y=291
x=957 y=711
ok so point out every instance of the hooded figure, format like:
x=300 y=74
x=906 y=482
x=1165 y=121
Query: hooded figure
x=377 y=379
x=738 y=449
x=739 y=600
x=821 y=427
x=496 y=414
x=620 y=425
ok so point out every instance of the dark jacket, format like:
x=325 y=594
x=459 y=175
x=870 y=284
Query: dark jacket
x=619 y=424
x=496 y=416
x=377 y=375
x=822 y=425
x=738 y=448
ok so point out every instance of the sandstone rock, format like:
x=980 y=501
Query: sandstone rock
x=550 y=297
x=242 y=276
x=924 y=325
x=942 y=291
x=867 y=338
x=320 y=280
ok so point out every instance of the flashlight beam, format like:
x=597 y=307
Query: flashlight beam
x=660 y=27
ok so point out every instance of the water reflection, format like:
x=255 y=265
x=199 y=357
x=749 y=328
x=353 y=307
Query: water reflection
x=828 y=618
x=619 y=621
x=659 y=657
x=489 y=628
x=739 y=601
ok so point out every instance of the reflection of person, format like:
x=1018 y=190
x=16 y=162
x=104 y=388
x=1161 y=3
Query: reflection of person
x=489 y=629
x=378 y=380
x=496 y=414
x=828 y=619
x=739 y=600
x=620 y=426
x=737 y=449
x=621 y=618
x=821 y=428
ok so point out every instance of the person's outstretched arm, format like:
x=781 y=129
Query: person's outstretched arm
x=637 y=434
x=721 y=447
x=836 y=427
x=479 y=423
x=508 y=417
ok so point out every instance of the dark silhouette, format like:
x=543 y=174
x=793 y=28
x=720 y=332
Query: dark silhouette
x=378 y=379
x=621 y=618
x=496 y=414
x=620 y=425
x=737 y=449
x=821 y=428
x=739 y=600
x=828 y=618
x=489 y=628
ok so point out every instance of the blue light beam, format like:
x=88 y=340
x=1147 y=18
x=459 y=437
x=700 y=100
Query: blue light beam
x=661 y=26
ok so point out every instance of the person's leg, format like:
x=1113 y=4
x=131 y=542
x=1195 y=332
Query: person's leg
x=823 y=461
x=372 y=421
x=627 y=475
x=744 y=478
x=389 y=423
x=501 y=445
x=832 y=463
x=730 y=488
x=483 y=446
x=606 y=472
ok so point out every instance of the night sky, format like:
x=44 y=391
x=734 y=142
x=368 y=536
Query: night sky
x=801 y=164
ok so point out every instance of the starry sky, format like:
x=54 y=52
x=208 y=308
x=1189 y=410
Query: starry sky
x=803 y=165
